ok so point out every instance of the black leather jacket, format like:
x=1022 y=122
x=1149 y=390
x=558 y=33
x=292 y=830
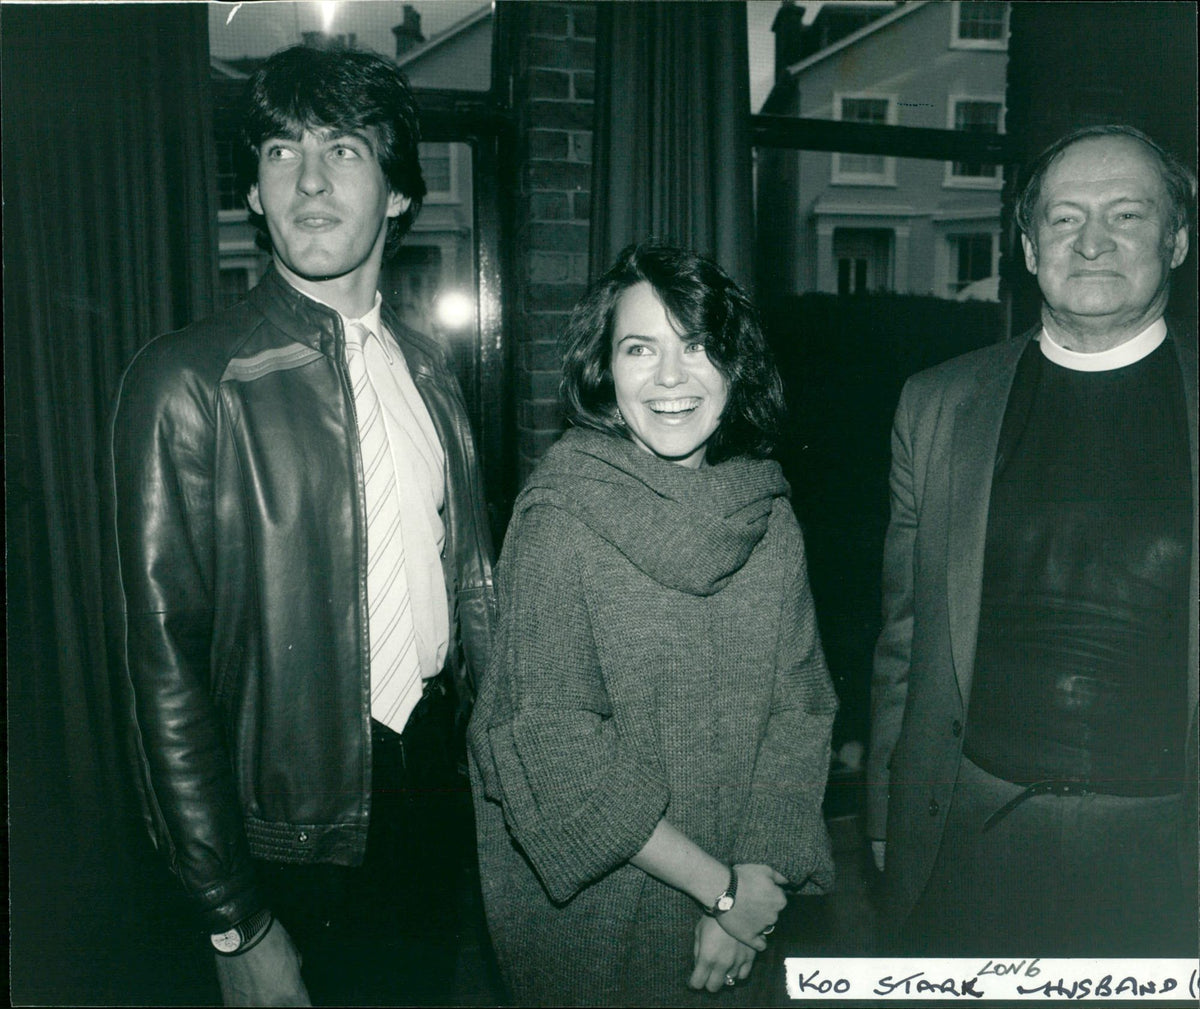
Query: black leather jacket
x=233 y=494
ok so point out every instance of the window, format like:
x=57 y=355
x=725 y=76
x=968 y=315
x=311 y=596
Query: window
x=979 y=24
x=865 y=169
x=971 y=259
x=863 y=258
x=975 y=115
x=440 y=168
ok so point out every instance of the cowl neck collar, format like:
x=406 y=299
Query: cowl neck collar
x=688 y=529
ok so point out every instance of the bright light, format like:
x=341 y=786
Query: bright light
x=454 y=310
x=328 y=10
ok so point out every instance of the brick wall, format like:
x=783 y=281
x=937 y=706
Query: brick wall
x=553 y=90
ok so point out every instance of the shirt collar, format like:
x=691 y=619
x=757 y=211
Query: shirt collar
x=1121 y=356
x=370 y=319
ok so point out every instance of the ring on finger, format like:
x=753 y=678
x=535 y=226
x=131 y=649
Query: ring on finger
x=767 y=931
x=730 y=980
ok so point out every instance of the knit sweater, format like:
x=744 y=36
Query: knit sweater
x=657 y=655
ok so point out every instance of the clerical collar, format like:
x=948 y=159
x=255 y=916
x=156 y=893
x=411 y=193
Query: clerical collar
x=1121 y=356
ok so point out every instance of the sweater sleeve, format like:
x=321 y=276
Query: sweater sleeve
x=579 y=796
x=783 y=825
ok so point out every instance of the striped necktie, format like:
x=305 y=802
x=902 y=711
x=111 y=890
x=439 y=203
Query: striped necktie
x=395 y=671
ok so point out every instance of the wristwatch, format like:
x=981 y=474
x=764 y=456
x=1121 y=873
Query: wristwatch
x=243 y=935
x=726 y=900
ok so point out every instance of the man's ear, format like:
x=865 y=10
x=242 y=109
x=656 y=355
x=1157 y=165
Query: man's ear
x=398 y=203
x=1181 y=247
x=1030 y=253
x=253 y=200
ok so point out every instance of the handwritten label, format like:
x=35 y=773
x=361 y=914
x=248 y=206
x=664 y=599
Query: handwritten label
x=1009 y=978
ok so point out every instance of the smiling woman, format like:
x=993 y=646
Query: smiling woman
x=650 y=743
x=666 y=350
x=669 y=394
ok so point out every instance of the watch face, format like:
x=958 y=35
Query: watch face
x=227 y=942
x=724 y=902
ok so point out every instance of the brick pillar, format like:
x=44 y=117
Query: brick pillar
x=553 y=89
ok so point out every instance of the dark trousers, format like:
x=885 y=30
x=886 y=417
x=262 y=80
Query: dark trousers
x=1056 y=875
x=387 y=932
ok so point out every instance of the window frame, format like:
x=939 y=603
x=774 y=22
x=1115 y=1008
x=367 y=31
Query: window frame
x=455 y=172
x=996 y=179
x=957 y=42
x=949 y=240
x=485 y=121
x=841 y=177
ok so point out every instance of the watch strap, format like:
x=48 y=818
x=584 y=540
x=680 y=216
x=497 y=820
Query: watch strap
x=245 y=935
x=726 y=897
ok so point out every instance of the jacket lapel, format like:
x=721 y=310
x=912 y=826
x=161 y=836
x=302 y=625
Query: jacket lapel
x=977 y=422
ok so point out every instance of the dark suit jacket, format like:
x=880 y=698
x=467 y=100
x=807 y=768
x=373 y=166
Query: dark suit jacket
x=944 y=440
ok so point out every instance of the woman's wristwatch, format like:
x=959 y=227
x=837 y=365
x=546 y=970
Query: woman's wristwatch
x=244 y=935
x=726 y=900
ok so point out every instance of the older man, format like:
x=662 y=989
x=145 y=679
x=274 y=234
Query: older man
x=1033 y=760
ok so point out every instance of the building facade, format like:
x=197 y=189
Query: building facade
x=853 y=223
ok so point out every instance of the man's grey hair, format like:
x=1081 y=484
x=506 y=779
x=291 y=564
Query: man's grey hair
x=1178 y=179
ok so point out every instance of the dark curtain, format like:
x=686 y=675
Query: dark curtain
x=109 y=239
x=672 y=144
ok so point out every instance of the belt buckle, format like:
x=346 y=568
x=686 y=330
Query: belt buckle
x=433 y=685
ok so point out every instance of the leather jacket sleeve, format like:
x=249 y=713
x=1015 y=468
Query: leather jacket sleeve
x=156 y=481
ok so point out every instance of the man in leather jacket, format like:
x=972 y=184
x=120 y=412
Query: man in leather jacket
x=306 y=826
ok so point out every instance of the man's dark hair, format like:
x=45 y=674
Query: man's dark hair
x=706 y=304
x=1178 y=179
x=306 y=88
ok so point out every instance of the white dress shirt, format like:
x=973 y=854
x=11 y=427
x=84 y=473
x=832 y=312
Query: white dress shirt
x=421 y=478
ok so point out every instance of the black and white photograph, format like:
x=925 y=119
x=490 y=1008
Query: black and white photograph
x=601 y=502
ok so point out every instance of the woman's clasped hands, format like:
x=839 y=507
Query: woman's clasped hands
x=726 y=943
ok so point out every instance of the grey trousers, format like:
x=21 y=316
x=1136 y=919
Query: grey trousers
x=1057 y=875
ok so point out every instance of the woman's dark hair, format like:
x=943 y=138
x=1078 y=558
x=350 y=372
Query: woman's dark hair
x=705 y=303
x=1178 y=180
x=305 y=88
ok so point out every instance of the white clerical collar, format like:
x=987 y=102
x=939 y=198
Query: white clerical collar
x=1121 y=356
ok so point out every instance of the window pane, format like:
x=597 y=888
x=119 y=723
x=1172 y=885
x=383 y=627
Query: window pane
x=434 y=276
x=860 y=287
x=908 y=233
x=982 y=19
x=435 y=166
x=432 y=284
x=862 y=110
x=973 y=255
x=976 y=117
x=444 y=44
x=980 y=117
x=865 y=110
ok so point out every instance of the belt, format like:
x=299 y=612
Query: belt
x=1052 y=787
x=1062 y=788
